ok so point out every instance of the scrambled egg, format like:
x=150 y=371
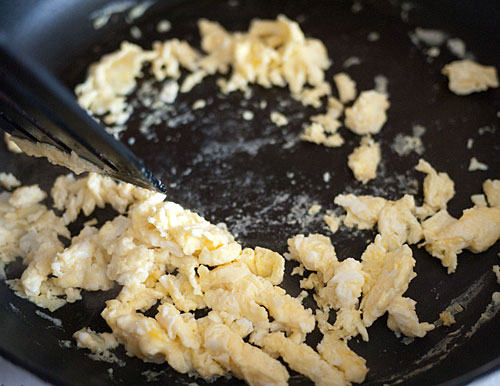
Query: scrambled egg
x=110 y=81
x=466 y=76
x=315 y=252
x=475 y=165
x=363 y=291
x=362 y=211
x=390 y=274
x=30 y=231
x=446 y=237
x=345 y=86
x=364 y=160
x=496 y=271
x=302 y=358
x=332 y=221
x=244 y=360
x=9 y=181
x=336 y=352
x=99 y=344
x=479 y=200
x=492 y=190
x=319 y=134
x=270 y=53
x=438 y=189
x=278 y=119
x=397 y=223
x=344 y=288
x=55 y=156
x=403 y=318
x=11 y=145
x=84 y=195
x=163 y=255
x=368 y=114
x=323 y=127
x=447 y=318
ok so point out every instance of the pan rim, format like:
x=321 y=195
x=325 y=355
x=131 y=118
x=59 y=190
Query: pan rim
x=38 y=371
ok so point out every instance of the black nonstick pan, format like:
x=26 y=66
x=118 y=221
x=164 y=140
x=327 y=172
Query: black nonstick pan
x=261 y=180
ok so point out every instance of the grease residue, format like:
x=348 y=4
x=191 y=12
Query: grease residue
x=55 y=321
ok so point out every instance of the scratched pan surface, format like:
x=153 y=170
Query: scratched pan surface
x=260 y=180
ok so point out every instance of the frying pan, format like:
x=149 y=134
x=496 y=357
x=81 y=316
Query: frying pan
x=260 y=180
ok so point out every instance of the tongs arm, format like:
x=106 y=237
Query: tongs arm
x=35 y=106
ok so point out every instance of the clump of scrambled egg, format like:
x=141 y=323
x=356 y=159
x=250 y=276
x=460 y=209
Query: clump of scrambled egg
x=438 y=189
x=270 y=53
x=466 y=76
x=364 y=160
x=368 y=114
x=445 y=237
x=162 y=253
x=345 y=86
x=476 y=230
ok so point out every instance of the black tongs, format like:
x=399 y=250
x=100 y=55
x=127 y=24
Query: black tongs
x=35 y=106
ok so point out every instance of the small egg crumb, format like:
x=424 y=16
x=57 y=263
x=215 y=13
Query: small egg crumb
x=475 y=165
x=447 y=318
x=352 y=61
x=433 y=52
x=486 y=129
x=405 y=144
x=316 y=133
x=135 y=32
x=381 y=83
x=199 y=104
x=248 y=115
x=278 y=119
x=496 y=270
x=346 y=87
x=356 y=7
x=332 y=221
x=169 y=91
x=314 y=209
x=163 y=26
x=430 y=37
x=298 y=270
x=457 y=47
x=373 y=36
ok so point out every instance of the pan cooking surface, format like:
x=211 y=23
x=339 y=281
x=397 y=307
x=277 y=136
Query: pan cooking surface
x=261 y=180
